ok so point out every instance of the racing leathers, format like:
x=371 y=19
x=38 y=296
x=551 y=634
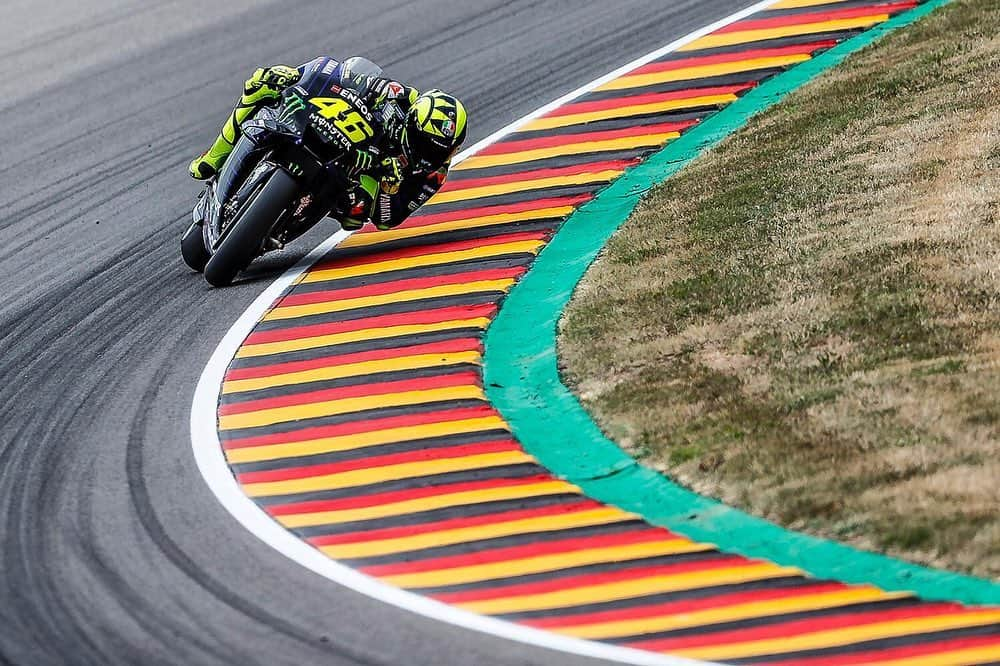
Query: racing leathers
x=388 y=185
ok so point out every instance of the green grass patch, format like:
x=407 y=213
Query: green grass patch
x=806 y=321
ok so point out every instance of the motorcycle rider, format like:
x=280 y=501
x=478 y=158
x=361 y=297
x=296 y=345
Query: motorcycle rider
x=422 y=133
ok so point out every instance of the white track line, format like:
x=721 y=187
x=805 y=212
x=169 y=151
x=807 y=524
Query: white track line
x=214 y=468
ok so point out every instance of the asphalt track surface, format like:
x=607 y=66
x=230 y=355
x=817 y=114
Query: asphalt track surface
x=113 y=549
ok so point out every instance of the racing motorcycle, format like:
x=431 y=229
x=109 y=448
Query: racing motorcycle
x=287 y=171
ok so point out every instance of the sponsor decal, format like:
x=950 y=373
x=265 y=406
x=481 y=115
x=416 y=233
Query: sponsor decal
x=303 y=204
x=354 y=99
x=385 y=209
x=393 y=112
x=293 y=104
x=394 y=89
x=328 y=131
x=329 y=67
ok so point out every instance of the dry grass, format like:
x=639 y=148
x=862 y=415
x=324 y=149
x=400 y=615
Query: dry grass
x=806 y=322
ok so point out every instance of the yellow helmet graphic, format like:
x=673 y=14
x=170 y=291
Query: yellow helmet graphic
x=435 y=129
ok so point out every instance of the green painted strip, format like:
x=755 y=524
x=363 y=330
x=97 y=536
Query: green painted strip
x=522 y=377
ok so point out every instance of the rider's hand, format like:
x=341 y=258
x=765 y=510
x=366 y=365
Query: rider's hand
x=392 y=175
x=277 y=77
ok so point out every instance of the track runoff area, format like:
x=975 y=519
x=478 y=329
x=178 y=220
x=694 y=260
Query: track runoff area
x=353 y=432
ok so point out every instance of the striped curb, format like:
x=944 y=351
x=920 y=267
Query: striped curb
x=354 y=413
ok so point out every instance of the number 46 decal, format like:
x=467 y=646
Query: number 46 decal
x=344 y=117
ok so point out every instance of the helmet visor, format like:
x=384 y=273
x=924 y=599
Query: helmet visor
x=425 y=151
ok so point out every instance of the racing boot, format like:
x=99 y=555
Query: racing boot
x=351 y=224
x=210 y=162
x=262 y=88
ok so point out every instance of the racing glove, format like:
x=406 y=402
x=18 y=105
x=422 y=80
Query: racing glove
x=278 y=76
x=392 y=175
x=268 y=82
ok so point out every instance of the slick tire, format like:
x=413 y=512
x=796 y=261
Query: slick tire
x=193 y=248
x=243 y=242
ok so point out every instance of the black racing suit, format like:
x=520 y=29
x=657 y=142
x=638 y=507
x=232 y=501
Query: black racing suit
x=389 y=101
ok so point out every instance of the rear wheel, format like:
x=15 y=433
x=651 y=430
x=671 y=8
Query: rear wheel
x=243 y=242
x=193 y=248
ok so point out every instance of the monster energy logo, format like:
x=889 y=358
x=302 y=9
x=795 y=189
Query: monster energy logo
x=293 y=105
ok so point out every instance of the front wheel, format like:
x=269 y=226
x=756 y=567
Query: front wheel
x=241 y=245
x=193 y=248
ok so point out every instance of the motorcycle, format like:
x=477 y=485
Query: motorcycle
x=287 y=171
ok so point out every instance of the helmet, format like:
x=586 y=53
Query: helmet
x=435 y=128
